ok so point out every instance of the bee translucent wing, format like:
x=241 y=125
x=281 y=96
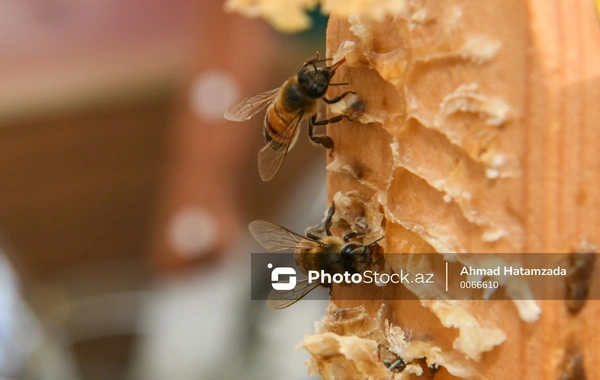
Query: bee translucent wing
x=246 y=108
x=273 y=237
x=282 y=299
x=271 y=156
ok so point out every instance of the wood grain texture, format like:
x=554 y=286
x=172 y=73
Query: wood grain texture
x=492 y=107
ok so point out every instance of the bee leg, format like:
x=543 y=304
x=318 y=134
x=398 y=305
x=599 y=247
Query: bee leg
x=398 y=364
x=327 y=222
x=325 y=226
x=311 y=234
x=338 y=98
x=339 y=84
x=323 y=140
x=351 y=235
x=315 y=232
x=378 y=260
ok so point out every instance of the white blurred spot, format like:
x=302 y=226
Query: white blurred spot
x=19 y=333
x=494 y=235
x=212 y=93
x=492 y=173
x=498 y=160
x=192 y=232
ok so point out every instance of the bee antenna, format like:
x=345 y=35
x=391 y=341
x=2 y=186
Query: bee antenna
x=314 y=61
x=375 y=241
x=327 y=221
x=337 y=64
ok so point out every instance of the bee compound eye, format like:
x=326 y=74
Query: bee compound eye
x=304 y=76
x=349 y=249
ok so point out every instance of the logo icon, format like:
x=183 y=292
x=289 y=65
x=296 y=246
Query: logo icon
x=282 y=271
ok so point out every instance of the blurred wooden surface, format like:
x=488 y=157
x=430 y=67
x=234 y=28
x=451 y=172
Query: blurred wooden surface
x=207 y=155
x=548 y=71
x=80 y=188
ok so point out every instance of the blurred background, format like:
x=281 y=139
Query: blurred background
x=125 y=196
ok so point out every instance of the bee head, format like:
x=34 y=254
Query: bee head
x=355 y=256
x=314 y=82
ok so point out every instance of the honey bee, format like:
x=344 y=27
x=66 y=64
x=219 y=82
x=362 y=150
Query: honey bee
x=331 y=254
x=289 y=105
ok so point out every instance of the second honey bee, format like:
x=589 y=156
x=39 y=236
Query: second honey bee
x=289 y=105
x=329 y=253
